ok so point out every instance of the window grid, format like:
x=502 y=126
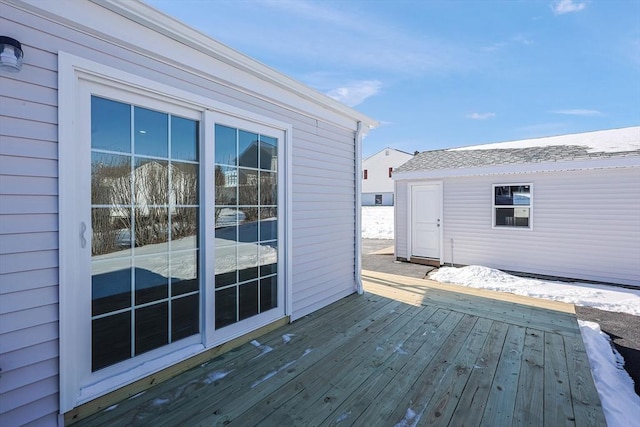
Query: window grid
x=235 y=170
x=136 y=256
x=512 y=205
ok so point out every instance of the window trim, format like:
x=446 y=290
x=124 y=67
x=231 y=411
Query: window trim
x=494 y=206
x=73 y=73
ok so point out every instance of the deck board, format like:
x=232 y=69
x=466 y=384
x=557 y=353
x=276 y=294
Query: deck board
x=408 y=352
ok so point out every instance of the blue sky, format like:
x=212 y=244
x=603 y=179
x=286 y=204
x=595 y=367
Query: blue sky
x=440 y=74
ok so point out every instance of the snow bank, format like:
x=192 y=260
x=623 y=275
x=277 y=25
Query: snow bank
x=614 y=385
x=603 y=297
x=377 y=222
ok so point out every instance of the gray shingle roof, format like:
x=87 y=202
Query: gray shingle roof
x=594 y=145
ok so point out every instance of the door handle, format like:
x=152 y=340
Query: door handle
x=83 y=229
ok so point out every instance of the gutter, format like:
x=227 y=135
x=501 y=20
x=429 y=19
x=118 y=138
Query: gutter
x=358 y=209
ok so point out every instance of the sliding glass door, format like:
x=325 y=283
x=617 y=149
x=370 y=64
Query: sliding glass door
x=247 y=230
x=145 y=284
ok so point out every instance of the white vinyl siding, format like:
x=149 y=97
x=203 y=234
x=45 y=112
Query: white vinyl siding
x=586 y=225
x=323 y=197
x=28 y=237
x=322 y=188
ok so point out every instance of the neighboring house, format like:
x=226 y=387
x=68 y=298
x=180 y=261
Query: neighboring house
x=566 y=206
x=233 y=209
x=377 y=171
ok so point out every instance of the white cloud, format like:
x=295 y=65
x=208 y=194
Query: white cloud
x=561 y=7
x=578 y=112
x=355 y=92
x=518 y=39
x=522 y=39
x=480 y=116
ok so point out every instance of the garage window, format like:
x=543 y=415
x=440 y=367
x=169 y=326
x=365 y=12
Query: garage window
x=512 y=205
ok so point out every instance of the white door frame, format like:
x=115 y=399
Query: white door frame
x=410 y=186
x=74 y=73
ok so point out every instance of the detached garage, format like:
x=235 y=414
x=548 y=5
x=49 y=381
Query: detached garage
x=160 y=195
x=566 y=206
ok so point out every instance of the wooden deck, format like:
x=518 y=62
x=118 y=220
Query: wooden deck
x=408 y=352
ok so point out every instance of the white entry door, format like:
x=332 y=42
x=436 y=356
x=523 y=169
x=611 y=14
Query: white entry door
x=426 y=220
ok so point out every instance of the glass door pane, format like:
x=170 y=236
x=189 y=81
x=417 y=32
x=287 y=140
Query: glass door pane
x=246 y=224
x=144 y=205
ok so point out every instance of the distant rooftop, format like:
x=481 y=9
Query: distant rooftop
x=582 y=146
x=385 y=149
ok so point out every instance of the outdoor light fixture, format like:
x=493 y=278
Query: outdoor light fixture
x=10 y=54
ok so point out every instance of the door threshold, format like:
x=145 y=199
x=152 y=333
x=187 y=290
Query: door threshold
x=433 y=262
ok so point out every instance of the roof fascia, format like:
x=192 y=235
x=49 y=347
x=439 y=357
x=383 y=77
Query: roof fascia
x=82 y=16
x=154 y=19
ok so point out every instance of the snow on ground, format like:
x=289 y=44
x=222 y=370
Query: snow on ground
x=377 y=222
x=614 y=385
x=603 y=297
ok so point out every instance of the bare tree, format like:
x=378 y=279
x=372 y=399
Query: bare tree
x=110 y=187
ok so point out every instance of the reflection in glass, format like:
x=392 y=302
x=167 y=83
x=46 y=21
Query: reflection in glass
x=111 y=230
x=110 y=179
x=110 y=125
x=184 y=272
x=226 y=225
x=151 y=229
x=225 y=143
x=268 y=153
x=185 y=315
x=110 y=285
x=225 y=263
x=184 y=139
x=151 y=278
x=248 y=149
x=226 y=180
x=512 y=195
x=151 y=137
x=151 y=182
x=268 y=188
x=184 y=183
x=111 y=340
x=248 y=187
x=144 y=223
x=152 y=327
x=268 y=223
x=268 y=258
x=248 y=228
x=226 y=308
x=184 y=228
x=268 y=293
x=247 y=262
x=513 y=217
x=248 y=300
